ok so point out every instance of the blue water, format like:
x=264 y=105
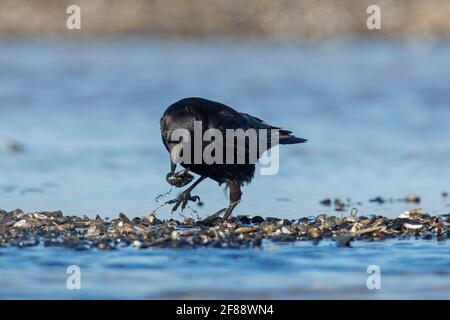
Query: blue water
x=376 y=114
x=409 y=270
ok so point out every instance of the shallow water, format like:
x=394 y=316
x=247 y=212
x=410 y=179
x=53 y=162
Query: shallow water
x=87 y=113
x=410 y=269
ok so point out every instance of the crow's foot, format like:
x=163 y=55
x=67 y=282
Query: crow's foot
x=183 y=200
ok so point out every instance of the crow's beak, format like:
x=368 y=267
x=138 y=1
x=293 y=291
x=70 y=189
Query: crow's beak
x=173 y=166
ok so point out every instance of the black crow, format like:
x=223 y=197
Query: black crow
x=215 y=115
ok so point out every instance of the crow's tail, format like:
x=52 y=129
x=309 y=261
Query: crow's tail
x=285 y=136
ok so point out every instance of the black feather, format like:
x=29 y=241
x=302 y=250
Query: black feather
x=183 y=113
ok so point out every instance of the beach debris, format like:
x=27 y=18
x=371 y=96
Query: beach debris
x=378 y=199
x=415 y=213
x=412 y=198
x=54 y=229
x=412 y=226
x=189 y=220
x=339 y=204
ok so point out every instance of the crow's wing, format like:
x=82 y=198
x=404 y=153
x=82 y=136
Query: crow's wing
x=284 y=136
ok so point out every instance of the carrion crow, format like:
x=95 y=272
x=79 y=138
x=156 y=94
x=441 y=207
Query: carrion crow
x=215 y=115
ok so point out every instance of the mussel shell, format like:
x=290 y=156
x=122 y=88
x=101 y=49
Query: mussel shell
x=179 y=179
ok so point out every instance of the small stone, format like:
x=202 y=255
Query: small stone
x=137 y=244
x=204 y=239
x=285 y=230
x=103 y=245
x=314 y=232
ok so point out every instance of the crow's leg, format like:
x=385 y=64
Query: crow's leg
x=215 y=215
x=235 y=197
x=185 y=196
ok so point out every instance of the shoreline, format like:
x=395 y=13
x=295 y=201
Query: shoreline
x=54 y=229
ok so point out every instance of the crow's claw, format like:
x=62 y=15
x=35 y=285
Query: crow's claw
x=183 y=200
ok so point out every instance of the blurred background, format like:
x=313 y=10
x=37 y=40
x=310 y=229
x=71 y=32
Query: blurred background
x=292 y=19
x=80 y=109
x=79 y=132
